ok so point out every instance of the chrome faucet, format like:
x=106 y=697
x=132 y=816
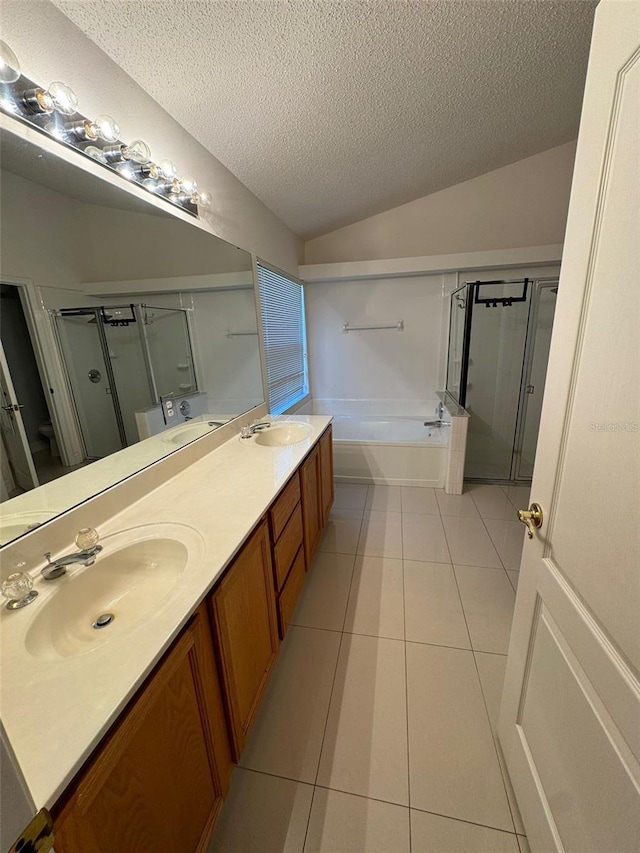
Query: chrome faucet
x=87 y=542
x=440 y=415
x=249 y=430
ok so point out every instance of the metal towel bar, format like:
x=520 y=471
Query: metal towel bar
x=399 y=326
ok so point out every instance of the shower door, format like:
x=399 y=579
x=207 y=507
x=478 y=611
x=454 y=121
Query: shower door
x=458 y=337
x=543 y=307
x=166 y=335
x=499 y=337
x=496 y=347
x=129 y=365
x=80 y=334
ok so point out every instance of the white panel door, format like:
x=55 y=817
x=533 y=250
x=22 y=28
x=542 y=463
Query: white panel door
x=570 y=718
x=13 y=431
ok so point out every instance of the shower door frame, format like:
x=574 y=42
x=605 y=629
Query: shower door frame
x=113 y=393
x=466 y=336
x=538 y=285
x=470 y=289
x=143 y=306
x=100 y=312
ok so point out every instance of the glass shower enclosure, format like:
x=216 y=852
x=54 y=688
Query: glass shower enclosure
x=121 y=359
x=499 y=339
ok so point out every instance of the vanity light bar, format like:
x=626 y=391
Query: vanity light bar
x=54 y=111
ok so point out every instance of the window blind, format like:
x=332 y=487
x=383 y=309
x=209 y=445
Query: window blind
x=282 y=302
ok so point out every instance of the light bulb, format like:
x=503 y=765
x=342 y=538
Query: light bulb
x=9 y=65
x=167 y=169
x=204 y=199
x=96 y=153
x=64 y=99
x=126 y=170
x=188 y=185
x=106 y=128
x=37 y=101
x=138 y=151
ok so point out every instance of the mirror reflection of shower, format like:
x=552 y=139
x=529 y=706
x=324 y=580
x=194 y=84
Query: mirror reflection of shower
x=497 y=359
x=120 y=360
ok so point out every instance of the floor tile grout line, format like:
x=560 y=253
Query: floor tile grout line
x=492 y=542
x=314 y=784
x=406 y=691
x=326 y=722
x=377 y=800
x=496 y=547
x=464 y=612
x=496 y=550
x=335 y=672
x=442 y=646
x=346 y=606
x=274 y=775
x=306 y=831
x=462 y=820
x=486 y=708
x=395 y=639
x=494 y=738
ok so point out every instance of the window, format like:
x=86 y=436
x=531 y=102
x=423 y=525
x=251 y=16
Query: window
x=285 y=338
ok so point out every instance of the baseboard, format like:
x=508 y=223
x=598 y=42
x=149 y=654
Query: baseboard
x=381 y=481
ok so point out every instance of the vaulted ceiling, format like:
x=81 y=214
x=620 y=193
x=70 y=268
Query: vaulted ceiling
x=334 y=110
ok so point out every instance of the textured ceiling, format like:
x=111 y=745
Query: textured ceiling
x=333 y=110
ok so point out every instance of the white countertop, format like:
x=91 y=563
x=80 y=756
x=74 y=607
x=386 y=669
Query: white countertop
x=56 y=709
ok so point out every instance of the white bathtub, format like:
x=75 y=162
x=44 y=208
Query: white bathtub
x=389 y=450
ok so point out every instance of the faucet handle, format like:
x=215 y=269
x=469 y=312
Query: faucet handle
x=87 y=538
x=18 y=590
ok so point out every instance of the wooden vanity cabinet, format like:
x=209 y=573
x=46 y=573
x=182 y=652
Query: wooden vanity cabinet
x=326 y=474
x=316 y=483
x=311 y=506
x=244 y=620
x=286 y=528
x=157 y=781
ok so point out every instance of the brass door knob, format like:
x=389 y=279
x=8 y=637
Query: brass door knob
x=532 y=517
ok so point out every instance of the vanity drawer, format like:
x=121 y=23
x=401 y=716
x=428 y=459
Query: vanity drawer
x=283 y=507
x=289 y=596
x=286 y=548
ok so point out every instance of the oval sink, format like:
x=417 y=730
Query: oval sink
x=282 y=435
x=19 y=523
x=128 y=584
x=188 y=432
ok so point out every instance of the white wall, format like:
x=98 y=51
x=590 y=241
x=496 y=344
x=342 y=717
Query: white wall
x=231 y=365
x=49 y=47
x=39 y=240
x=524 y=204
x=228 y=368
x=381 y=366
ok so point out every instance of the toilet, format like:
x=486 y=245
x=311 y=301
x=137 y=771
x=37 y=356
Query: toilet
x=46 y=430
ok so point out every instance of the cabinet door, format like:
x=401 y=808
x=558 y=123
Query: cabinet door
x=311 y=508
x=244 y=618
x=155 y=784
x=326 y=473
x=288 y=598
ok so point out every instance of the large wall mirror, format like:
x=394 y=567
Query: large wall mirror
x=127 y=332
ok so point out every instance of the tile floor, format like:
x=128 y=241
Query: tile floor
x=377 y=729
